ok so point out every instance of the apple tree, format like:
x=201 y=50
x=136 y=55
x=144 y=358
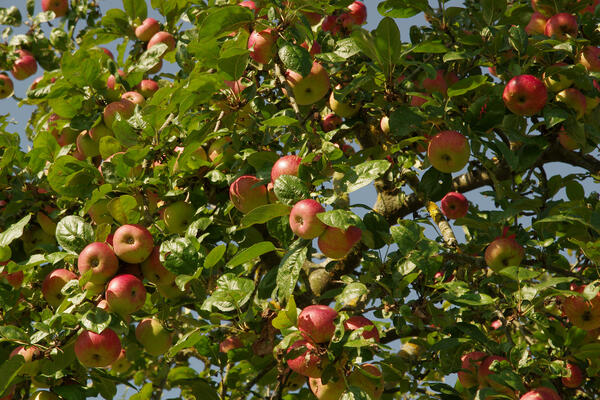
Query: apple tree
x=266 y=200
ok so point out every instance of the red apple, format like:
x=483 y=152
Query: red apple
x=249 y=4
x=336 y=243
x=561 y=25
x=154 y=271
x=14 y=279
x=125 y=294
x=147 y=87
x=60 y=7
x=133 y=243
x=246 y=193
x=448 y=151
x=591 y=8
x=504 y=252
x=124 y=108
x=230 y=343
x=484 y=372
x=97 y=350
x=314 y=49
x=358 y=321
x=332 y=390
x=261 y=45
x=27 y=353
x=134 y=97
x=332 y=24
x=162 y=37
x=573 y=98
x=101 y=259
x=25 y=66
x=286 y=165
x=147 y=29
x=537 y=24
x=541 y=393
x=153 y=336
x=107 y=52
x=307 y=363
x=357 y=13
x=369 y=378
x=304 y=221
x=590 y=58
x=575 y=378
x=6 y=86
x=311 y=88
x=437 y=84
x=455 y=205
x=53 y=284
x=317 y=323
x=470 y=363
x=331 y=122
x=584 y=314
x=525 y=95
x=314 y=18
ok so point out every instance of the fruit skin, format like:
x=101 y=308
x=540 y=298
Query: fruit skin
x=147 y=88
x=575 y=379
x=99 y=131
x=246 y=193
x=484 y=372
x=306 y=364
x=504 y=252
x=14 y=279
x=133 y=243
x=147 y=29
x=60 y=7
x=317 y=323
x=582 y=313
x=332 y=390
x=455 y=205
x=373 y=387
x=153 y=336
x=573 y=98
x=384 y=124
x=357 y=13
x=448 y=151
x=125 y=294
x=311 y=88
x=230 y=343
x=162 y=37
x=27 y=353
x=330 y=122
x=101 y=259
x=286 y=165
x=121 y=364
x=53 y=283
x=97 y=350
x=525 y=95
x=470 y=363
x=358 y=321
x=336 y=243
x=6 y=86
x=154 y=271
x=261 y=45
x=24 y=66
x=567 y=141
x=590 y=58
x=134 y=97
x=541 y=393
x=177 y=216
x=123 y=107
x=344 y=110
x=537 y=24
x=304 y=221
x=561 y=25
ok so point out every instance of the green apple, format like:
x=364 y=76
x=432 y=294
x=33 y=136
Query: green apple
x=153 y=336
x=178 y=216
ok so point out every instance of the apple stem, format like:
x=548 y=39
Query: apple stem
x=442 y=223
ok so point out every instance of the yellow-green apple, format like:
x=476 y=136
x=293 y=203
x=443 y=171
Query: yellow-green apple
x=555 y=81
x=286 y=165
x=101 y=259
x=541 y=393
x=125 y=294
x=410 y=351
x=544 y=9
x=357 y=13
x=124 y=108
x=177 y=216
x=99 y=212
x=567 y=141
x=384 y=124
x=357 y=322
x=93 y=288
x=317 y=323
x=153 y=336
x=304 y=221
x=86 y=145
x=584 y=314
x=148 y=28
x=154 y=271
x=331 y=122
x=162 y=37
x=147 y=87
x=121 y=364
x=60 y=7
x=134 y=97
x=47 y=224
x=470 y=362
x=262 y=45
x=504 y=252
x=308 y=362
x=573 y=98
x=133 y=243
x=247 y=192
x=99 y=131
x=575 y=377
x=455 y=205
x=590 y=58
x=537 y=24
x=53 y=284
x=369 y=378
x=170 y=291
x=97 y=350
x=314 y=49
x=24 y=66
x=484 y=372
x=336 y=243
x=6 y=86
x=448 y=151
x=525 y=95
x=44 y=394
x=311 y=88
x=332 y=390
x=341 y=108
x=561 y=25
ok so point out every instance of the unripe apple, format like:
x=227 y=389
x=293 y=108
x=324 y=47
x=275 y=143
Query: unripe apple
x=86 y=145
x=97 y=350
x=101 y=259
x=343 y=109
x=332 y=390
x=525 y=95
x=317 y=323
x=541 y=393
x=230 y=343
x=124 y=108
x=6 y=86
x=504 y=252
x=262 y=45
x=134 y=97
x=286 y=165
x=24 y=66
x=147 y=87
x=307 y=363
x=357 y=322
x=53 y=284
x=336 y=243
x=154 y=271
x=304 y=221
x=331 y=122
x=147 y=29
x=537 y=24
x=561 y=25
x=99 y=131
x=178 y=216
x=153 y=336
x=470 y=363
x=60 y=7
x=125 y=294
x=455 y=205
x=575 y=378
x=573 y=98
x=247 y=192
x=448 y=151
x=133 y=243
x=162 y=37
x=311 y=88
x=362 y=377
x=121 y=364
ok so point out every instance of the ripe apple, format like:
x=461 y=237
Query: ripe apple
x=154 y=271
x=24 y=66
x=362 y=377
x=27 y=353
x=537 y=24
x=357 y=13
x=125 y=294
x=261 y=45
x=314 y=49
x=147 y=29
x=111 y=81
x=97 y=350
x=60 y=7
x=134 y=97
x=336 y=243
x=246 y=193
x=67 y=136
x=133 y=243
x=561 y=25
x=311 y=88
x=87 y=146
x=99 y=131
x=567 y=141
x=484 y=372
x=343 y=109
x=178 y=216
x=121 y=364
x=332 y=24
x=14 y=279
x=332 y=390
x=556 y=81
x=307 y=363
x=504 y=252
x=448 y=151
x=124 y=108
x=575 y=378
x=582 y=313
x=331 y=122
x=358 y=321
x=591 y=8
x=6 y=86
x=249 y=4
x=470 y=363
x=230 y=343
x=525 y=95
x=162 y=37
x=541 y=393
x=437 y=84
x=317 y=323
x=153 y=336
x=590 y=58
x=286 y=165
x=455 y=205
x=573 y=98
x=53 y=284
x=101 y=259
x=147 y=87
x=304 y=221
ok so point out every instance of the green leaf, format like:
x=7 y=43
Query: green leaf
x=435 y=184
x=233 y=62
x=73 y=234
x=149 y=58
x=187 y=341
x=355 y=393
x=181 y=256
x=264 y=213
x=223 y=20
x=124 y=209
x=14 y=231
x=406 y=234
x=433 y=46
x=80 y=68
x=136 y=9
x=214 y=256
x=96 y=320
x=9 y=371
x=388 y=44
x=346 y=48
x=10 y=16
x=362 y=175
x=256 y=250
x=366 y=43
x=289 y=269
x=342 y=219
x=466 y=85
x=296 y=58
x=232 y=293
x=13 y=333
x=290 y=189
x=281 y=120
x=287 y=317
x=145 y=393
x=72 y=178
x=402 y=8
x=352 y=294
x=178 y=374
